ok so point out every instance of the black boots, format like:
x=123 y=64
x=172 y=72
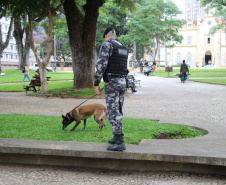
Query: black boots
x=112 y=141
x=118 y=142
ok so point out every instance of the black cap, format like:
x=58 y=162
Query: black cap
x=183 y=61
x=108 y=30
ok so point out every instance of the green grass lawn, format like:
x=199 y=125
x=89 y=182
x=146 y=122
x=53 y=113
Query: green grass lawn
x=51 y=85
x=214 y=81
x=194 y=73
x=40 y=127
x=56 y=88
x=15 y=75
x=64 y=88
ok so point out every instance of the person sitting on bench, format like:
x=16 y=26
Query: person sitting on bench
x=132 y=86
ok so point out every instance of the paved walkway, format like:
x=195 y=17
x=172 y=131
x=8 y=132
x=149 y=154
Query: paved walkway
x=164 y=99
x=156 y=98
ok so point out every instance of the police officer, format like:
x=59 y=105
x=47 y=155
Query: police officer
x=112 y=66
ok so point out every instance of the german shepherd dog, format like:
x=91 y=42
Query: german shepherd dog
x=84 y=112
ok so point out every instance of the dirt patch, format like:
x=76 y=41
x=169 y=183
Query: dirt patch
x=168 y=136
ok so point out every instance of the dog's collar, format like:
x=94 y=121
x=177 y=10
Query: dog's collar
x=70 y=117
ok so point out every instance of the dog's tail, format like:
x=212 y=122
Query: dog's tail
x=104 y=116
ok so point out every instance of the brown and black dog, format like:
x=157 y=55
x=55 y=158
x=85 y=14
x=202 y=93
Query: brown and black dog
x=84 y=112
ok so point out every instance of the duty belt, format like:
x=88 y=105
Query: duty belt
x=117 y=76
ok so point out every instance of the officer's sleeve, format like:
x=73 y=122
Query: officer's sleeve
x=102 y=62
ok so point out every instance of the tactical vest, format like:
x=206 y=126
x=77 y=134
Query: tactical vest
x=117 y=63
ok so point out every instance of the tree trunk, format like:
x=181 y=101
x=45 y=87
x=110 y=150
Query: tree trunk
x=6 y=43
x=83 y=67
x=134 y=51
x=18 y=35
x=1 y=49
x=27 y=45
x=42 y=64
x=43 y=79
x=22 y=50
x=82 y=33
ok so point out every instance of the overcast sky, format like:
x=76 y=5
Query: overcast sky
x=181 y=5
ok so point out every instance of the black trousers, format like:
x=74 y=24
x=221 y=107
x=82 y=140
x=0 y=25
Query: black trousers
x=183 y=77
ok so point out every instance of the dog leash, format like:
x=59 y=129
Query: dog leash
x=88 y=98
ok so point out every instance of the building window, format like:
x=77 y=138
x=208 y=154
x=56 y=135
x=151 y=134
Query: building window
x=178 y=57
x=6 y=27
x=11 y=47
x=189 y=40
x=208 y=39
x=189 y=25
x=6 y=18
x=11 y=56
x=189 y=57
x=6 y=56
x=16 y=56
x=168 y=57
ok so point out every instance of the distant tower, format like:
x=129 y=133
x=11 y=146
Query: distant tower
x=193 y=9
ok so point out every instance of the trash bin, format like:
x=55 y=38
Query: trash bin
x=168 y=69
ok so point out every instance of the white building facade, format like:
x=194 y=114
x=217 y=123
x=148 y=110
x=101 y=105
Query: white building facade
x=198 y=47
x=9 y=55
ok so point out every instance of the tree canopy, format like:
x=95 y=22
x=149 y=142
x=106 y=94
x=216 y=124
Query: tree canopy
x=154 y=23
x=220 y=12
x=151 y=22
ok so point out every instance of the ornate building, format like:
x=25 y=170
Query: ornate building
x=198 y=47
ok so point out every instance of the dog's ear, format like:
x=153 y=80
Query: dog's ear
x=63 y=116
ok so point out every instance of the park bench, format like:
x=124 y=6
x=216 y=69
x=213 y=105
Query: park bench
x=131 y=86
x=131 y=77
x=34 y=84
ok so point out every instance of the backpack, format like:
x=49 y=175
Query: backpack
x=23 y=70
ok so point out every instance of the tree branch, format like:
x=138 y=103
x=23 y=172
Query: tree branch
x=50 y=16
x=32 y=39
x=5 y=44
x=91 y=13
x=58 y=7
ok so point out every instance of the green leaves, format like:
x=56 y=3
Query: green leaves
x=153 y=22
x=220 y=12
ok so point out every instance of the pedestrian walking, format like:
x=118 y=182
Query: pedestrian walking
x=55 y=67
x=112 y=66
x=183 y=71
x=141 y=65
x=26 y=73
